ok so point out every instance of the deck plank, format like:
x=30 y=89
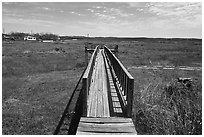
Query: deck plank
x=93 y=108
x=100 y=90
x=111 y=125
x=105 y=90
x=106 y=120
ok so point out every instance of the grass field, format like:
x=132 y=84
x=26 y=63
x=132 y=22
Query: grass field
x=37 y=84
x=38 y=79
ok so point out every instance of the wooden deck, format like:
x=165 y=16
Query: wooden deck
x=98 y=93
x=104 y=112
x=106 y=126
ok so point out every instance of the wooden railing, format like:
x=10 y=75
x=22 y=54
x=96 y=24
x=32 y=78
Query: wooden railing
x=124 y=81
x=87 y=79
x=77 y=104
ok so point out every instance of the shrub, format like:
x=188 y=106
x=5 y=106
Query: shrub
x=175 y=108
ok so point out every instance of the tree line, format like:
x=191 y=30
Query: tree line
x=39 y=36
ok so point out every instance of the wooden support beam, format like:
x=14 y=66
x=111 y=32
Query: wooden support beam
x=85 y=95
x=130 y=84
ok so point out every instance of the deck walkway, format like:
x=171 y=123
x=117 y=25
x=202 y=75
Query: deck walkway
x=98 y=93
x=104 y=112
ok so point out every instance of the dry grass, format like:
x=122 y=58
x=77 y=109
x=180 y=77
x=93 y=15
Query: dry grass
x=37 y=81
x=169 y=109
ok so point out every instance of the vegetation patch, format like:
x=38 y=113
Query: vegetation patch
x=174 y=108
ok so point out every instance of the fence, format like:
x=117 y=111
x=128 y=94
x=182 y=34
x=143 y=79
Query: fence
x=124 y=79
x=87 y=79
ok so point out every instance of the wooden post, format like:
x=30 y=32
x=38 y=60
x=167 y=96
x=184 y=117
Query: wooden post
x=86 y=55
x=130 y=97
x=85 y=88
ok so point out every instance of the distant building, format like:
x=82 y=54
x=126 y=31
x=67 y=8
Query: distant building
x=7 y=37
x=47 y=41
x=29 y=38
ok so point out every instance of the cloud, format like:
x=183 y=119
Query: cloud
x=111 y=11
x=134 y=18
x=12 y=15
x=98 y=7
x=109 y=15
x=75 y=13
x=106 y=19
x=182 y=14
x=175 y=9
x=91 y=10
x=151 y=27
x=118 y=12
x=99 y=28
x=137 y=4
x=104 y=16
x=29 y=22
x=45 y=8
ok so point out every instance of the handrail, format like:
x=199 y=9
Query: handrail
x=126 y=81
x=90 y=65
x=87 y=79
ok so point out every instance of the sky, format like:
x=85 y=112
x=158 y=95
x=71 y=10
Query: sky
x=121 y=19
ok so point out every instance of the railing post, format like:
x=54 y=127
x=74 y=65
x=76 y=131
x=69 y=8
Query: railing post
x=86 y=55
x=130 y=97
x=85 y=92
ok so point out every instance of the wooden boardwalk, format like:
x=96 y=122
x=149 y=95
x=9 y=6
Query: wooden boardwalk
x=98 y=93
x=101 y=115
x=101 y=102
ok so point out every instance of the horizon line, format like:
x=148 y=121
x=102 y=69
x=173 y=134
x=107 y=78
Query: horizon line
x=109 y=36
